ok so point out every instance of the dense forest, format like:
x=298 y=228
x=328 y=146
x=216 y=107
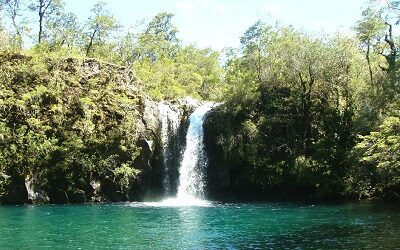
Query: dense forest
x=311 y=115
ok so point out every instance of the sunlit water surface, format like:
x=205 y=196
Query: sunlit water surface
x=202 y=225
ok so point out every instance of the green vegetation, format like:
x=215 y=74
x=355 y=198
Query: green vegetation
x=301 y=109
x=66 y=125
x=167 y=69
x=314 y=115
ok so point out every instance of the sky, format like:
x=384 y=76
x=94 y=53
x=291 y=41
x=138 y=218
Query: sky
x=220 y=23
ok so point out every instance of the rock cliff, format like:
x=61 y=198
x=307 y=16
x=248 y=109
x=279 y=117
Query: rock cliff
x=76 y=131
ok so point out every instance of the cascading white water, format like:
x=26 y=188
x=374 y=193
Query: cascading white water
x=194 y=161
x=169 y=126
x=191 y=172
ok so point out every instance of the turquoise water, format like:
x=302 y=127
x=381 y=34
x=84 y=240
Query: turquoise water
x=361 y=225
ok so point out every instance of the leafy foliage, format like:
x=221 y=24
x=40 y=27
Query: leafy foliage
x=66 y=125
x=379 y=152
x=295 y=105
x=312 y=115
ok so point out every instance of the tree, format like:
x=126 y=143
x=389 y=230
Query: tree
x=199 y=72
x=381 y=149
x=5 y=38
x=369 y=30
x=45 y=8
x=393 y=6
x=64 y=30
x=127 y=48
x=158 y=40
x=390 y=16
x=101 y=25
x=253 y=43
x=161 y=26
x=13 y=9
x=168 y=69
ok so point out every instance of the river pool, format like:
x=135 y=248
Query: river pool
x=352 y=225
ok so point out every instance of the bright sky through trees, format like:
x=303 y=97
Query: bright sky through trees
x=219 y=23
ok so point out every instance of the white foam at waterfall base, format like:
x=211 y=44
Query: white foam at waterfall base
x=180 y=202
x=192 y=167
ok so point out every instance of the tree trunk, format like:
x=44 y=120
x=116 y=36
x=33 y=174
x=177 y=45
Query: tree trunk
x=369 y=61
x=259 y=72
x=43 y=11
x=391 y=57
x=306 y=106
x=91 y=42
x=18 y=35
x=40 y=27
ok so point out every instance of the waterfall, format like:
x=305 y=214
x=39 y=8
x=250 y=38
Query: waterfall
x=191 y=172
x=169 y=125
x=194 y=160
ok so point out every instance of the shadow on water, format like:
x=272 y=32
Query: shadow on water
x=332 y=236
x=346 y=225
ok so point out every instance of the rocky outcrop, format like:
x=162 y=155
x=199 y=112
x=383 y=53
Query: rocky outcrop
x=151 y=186
x=36 y=195
x=28 y=189
x=75 y=110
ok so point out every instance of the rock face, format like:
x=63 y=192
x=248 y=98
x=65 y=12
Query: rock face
x=148 y=187
x=36 y=195
x=218 y=174
x=152 y=160
x=92 y=75
x=228 y=176
x=16 y=192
